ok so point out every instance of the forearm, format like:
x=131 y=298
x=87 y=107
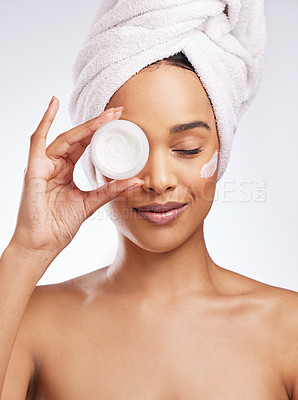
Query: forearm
x=20 y=271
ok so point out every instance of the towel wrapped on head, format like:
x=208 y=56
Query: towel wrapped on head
x=224 y=40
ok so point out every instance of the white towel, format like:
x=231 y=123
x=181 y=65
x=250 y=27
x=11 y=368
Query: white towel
x=223 y=39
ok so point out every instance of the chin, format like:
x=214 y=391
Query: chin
x=157 y=246
x=156 y=240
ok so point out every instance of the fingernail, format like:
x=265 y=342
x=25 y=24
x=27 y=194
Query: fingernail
x=136 y=181
x=139 y=182
x=52 y=99
x=109 y=114
x=108 y=110
x=118 y=112
x=117 y=109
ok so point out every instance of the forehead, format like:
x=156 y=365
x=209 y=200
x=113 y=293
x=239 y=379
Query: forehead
x=165 y=87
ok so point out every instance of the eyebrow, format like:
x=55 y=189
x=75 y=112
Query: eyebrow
x=185 y=127
x=189 y=125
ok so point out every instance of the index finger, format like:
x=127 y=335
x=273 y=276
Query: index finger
x=39 y=137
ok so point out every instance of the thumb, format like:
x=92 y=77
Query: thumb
x=102 y=195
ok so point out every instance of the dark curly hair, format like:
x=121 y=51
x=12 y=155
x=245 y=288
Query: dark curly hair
x=178 y=59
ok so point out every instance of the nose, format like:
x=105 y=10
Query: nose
x=158 y=174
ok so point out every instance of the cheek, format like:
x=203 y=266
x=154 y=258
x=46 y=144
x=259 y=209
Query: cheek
x=208 y=169
x=118 y=212
x=199 y=184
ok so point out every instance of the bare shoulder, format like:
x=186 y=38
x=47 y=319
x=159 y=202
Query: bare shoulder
x=285 y=323
x=274 y=313
x=54 y=306
x=67 y=294
x=278 y=307
x=235 y=283
x=51 y=314
x=51 y=304
x=284 y=328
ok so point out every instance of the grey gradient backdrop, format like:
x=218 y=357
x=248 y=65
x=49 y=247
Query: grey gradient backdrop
x=252 y=226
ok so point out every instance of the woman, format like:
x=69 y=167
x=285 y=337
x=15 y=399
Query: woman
x=163 y=321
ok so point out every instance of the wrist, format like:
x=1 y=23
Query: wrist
x=21 y=246
x=32 y=262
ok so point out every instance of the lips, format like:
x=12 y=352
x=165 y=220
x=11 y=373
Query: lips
x=163 y=213
x=159 y=207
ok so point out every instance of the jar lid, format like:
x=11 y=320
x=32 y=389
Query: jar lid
x=119 y=149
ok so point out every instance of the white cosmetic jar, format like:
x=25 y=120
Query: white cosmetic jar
x=119 y=149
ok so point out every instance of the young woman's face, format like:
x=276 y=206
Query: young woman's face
x=157 y=100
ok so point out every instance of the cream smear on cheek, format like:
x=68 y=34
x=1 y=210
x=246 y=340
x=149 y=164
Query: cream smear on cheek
x=209 y=168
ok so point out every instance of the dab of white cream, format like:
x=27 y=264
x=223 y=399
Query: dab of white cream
x=209 y=168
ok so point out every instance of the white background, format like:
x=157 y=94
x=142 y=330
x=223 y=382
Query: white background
x=246 y=231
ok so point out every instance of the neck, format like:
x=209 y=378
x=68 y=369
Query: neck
x=164 y=276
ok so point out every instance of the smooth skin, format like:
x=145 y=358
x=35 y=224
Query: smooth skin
x=163 y=321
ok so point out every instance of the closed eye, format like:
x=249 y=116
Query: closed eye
x=190 y=152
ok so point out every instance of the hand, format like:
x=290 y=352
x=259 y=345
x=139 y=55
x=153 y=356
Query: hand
x=52 y=207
